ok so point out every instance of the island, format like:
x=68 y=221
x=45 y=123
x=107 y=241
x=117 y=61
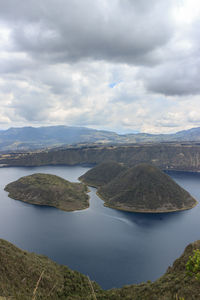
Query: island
x=143 y=188
x=49 y=190
x=102 y=173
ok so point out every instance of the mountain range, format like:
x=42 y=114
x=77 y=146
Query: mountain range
x=26 y=138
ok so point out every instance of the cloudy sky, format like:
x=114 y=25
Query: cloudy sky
x=122 y=65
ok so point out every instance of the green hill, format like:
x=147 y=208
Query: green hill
x=51 y=190
x=25 y=275
x=102 y=173
x=145 y=188
x=20 y=271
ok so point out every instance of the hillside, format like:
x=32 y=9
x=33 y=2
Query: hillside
x=102 y=173
x=20 y=271
x=29 y=138
x=174 y=156
x=26 y=138
x=50 y=190
x=23 y=273
x=175 y=284
x=145 y=188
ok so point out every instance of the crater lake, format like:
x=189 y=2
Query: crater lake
x=113 y=247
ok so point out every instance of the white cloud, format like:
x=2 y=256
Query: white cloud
x=126 y=65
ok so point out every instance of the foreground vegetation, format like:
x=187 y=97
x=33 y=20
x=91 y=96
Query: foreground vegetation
x=24 y=275
x=50 y=190
x=27 y=276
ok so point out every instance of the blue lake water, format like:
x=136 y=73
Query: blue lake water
x=113 y=247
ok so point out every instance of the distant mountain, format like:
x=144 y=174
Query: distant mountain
x=35 y=138
x=192 y=134
x=26 y=138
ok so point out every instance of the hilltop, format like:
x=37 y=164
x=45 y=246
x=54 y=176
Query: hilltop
x=50 y=190
x=22 y=273
x=145 y=188
x=142 y=188
x=102 y=173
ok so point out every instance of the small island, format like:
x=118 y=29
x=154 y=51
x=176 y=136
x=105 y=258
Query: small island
x=49 y=190
x=143 y=188
x=102 y=173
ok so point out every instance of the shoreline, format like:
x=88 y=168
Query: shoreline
x=145 y=211
x=197 y=171
x=54 y=205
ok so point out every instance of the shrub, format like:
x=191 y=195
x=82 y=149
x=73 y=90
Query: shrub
x=193 y=265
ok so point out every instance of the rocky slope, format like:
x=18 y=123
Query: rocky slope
x=50 y=190
x=165 y=156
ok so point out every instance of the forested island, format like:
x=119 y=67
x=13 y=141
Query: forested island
x=142 y=188
x=49 y=190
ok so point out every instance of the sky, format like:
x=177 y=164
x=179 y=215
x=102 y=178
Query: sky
x=120 y=65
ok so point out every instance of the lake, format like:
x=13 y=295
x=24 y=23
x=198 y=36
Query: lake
x=113 y=247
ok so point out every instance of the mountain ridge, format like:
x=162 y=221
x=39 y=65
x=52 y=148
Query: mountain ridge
x=171 y=156
x=26 y=138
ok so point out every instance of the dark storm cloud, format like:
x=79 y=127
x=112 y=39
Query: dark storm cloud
x=68 y=31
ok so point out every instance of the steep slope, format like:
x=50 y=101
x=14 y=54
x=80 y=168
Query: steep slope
x=50 y=190
x=175 y=284
x=145 y=188
x=182 y=157
x=22 y=273
x=102 y=173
